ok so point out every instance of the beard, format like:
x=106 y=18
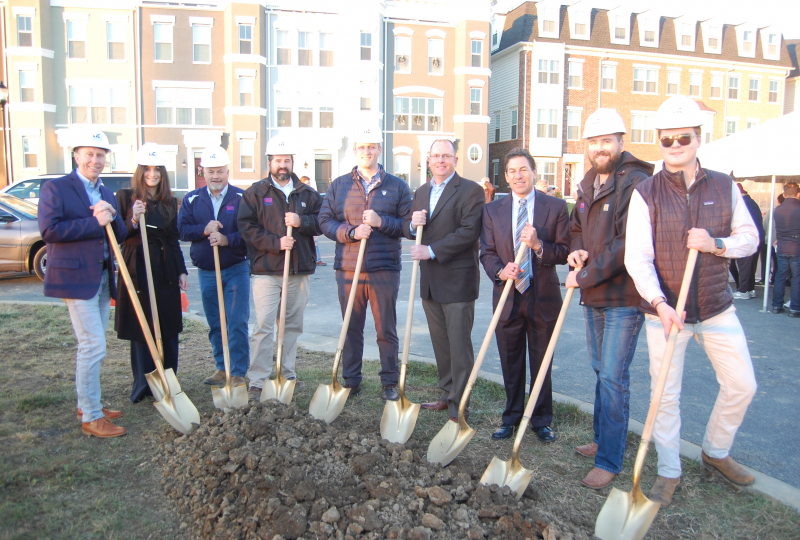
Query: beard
x=609 y=166
x=283 y=174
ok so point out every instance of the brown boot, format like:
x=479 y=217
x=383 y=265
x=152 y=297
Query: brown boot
x=108 y=413
x=254 y=393
x=216 y=379
x=731 y=470
x=102 y=428
x=587 y=450
x=238 y=381
x=662 y=490
x=598 y=478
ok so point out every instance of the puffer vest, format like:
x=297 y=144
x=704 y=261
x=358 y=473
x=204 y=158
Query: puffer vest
x=673 y=211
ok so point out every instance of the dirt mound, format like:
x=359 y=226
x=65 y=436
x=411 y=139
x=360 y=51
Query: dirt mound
x=270 y=471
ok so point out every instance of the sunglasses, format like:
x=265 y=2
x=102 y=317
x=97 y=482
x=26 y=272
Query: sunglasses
x=669 y=140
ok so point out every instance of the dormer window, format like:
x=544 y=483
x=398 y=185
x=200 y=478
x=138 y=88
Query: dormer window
x=712 y=36
x=548 y=20
x=772 y=44
x=650 y=31
x=579 y=20
x=748 y=41
x=494 y=39
x=686 y=35
x=580 y=29
x=620 y=27
x=713 y=42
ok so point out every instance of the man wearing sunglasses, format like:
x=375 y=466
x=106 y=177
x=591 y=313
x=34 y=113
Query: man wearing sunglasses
x=608 y=296
x=682 y=207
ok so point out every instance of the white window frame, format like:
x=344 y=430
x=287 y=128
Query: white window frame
x=475 y=97
x=577 y=67
x=109 y=40
x=619 y=20
x=542 y=168
x=326 y=46
x=75 y=26
x=31 y=141
x=495 y=171
x=366 y=47
x=699 y=85
x=243 y=81
x=27 y=85
x=685 y=27
x=367 y=91
x=676 y=75
x=747 y=47
x=777 y=92
x=548 y=20
x=574 y=115
x=497 y=123
x=767 y=38
x=549 y=119
x=613 y=79
x=158 y=25
x=479 y=150
x=205 y=28
x=27 y=20
x=307 y=47
x=649 y=23
x=402 y=166
x=643 y=122
x=731 y=122
x=309 y=112
x=750 y=89
x=285 y=112
x=105 y=97
x=404 y=107
x=712 y=30
x=333 y=117
x=720 y=77
x=248 y=28
x=737 y=87
x=514 y=124
x=549 y=71
x=401 y=43
x=647 y=72
x=476 y=52
x=247 y=144
x=435 y=63
x=185 y=100
x=280 y=46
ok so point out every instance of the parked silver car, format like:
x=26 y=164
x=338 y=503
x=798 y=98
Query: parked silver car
x=21 y=246
x=29 y=188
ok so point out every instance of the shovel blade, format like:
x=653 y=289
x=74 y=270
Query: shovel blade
x=398 y=420
x=449 y=442
x=328 y=402
x=154 y=381
x=282 y=390
x=507 y=473
x=229 y=396
x=625 y=515
x=179 y=412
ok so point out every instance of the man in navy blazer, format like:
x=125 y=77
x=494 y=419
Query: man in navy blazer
x=73 y=213
x=540 y=222
x=208 y=218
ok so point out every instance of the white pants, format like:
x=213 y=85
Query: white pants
x=267 y=300
x=724 y=341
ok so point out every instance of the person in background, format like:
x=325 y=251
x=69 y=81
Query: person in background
x=746 y=266
x=787 y=229
x=307 y=181
x=488 y=189
x=770 y=249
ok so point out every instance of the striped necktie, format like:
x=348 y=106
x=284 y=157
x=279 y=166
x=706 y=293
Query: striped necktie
x=524 y=280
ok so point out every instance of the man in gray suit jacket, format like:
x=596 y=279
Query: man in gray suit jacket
x=450 y=208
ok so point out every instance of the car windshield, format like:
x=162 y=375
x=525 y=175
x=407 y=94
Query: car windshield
x=18 y=205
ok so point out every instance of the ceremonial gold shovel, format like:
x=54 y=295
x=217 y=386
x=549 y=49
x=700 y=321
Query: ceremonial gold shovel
x=628 y=515
x=329 y=399
x=510 y=472
x=280 y=387
x=228 y=396
x=454 y=436
x=400 y=417
x=171 y=402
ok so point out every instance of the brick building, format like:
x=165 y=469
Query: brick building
x=553 y=65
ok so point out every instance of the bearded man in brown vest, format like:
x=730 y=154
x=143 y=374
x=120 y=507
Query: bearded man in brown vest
x=682 y=207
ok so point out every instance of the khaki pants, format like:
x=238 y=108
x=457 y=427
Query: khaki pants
x=267 y=300
x=724 y=341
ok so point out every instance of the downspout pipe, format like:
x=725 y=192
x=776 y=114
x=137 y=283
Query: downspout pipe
x=600 y=80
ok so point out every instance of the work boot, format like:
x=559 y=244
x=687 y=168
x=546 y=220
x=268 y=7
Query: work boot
x=587 y=450
x=238 y=381
x=390 y=392
x=662 y=490
x=216 y=379
x=598 y=478
x=731 y=470
x=254 y=393
x=108 y=413
x=102 y=428
x=354 y=389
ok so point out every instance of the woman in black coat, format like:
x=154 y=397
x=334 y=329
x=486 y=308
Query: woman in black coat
x=150 y=194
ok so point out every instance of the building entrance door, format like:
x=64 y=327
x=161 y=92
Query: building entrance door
x=199 y=174
x=322 y=172
x=569 y=179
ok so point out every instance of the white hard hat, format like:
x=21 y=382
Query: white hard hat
x=93 y=138
x=150 y=154
x=368 y=135
x=679 y=112
x=214 y=156
x=603 y=122
x=279 y=146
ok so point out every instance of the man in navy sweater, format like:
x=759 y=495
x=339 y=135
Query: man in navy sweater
x=208 y=217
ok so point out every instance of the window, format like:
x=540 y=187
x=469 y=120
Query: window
x=773 y=91
x=115 y=33
x=183 y=106
x=30 y=151
x=547 y=170
x=645 y=80
x=733 y=88
x=304 y=52
x=751 y=124
x=162 y=33
x=76 y=39
x=494 y=39
x=245 y=39
x=24 y=32
x=27 y=85
x=620 y=27
x=366 y=97
x=580 y=29
x=326 y=50
x=716 y=85
x=730 y=127
x=548 y=20
x=772 y=44
x=366 y=46
x=201 y=44
x=497 y=127
x=547 y=124
x=673 y=82
x=713 y=41
x=747 y=41
x=420 y=114
x=513 y=125
x=97 y=105
x=247 y=149
x=650 y=27
x=284 y=48
x=474 y=154
x=436 y=56
x=609 y=77
x=576 y=74
x=326 y=117
x=573 y=125
x=402 y=54
x=549 y=71
x=477 y=53
x=246 y=91
x=642 y=130
x=402 y=166
x=475 y=101
x=755 y=86
x=495 y=171
x=284 y=116
x=695 y=81
x=686 y=35
x=306 y=117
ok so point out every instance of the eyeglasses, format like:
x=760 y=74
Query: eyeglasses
x=437 y=157
x=669 y=140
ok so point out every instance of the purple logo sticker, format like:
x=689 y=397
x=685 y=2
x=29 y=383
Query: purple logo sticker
x=230 y=208
x=267 y=201
x=582 y=208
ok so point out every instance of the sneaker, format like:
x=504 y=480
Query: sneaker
x=786 y=305
x=752 y=294
x=741 y=295
x=321 y=263
x=254 y=393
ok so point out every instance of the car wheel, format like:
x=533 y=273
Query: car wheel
x=40 y=262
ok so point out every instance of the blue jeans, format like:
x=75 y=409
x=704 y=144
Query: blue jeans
x=236 y=290
x=788 y=270
x=611 y=335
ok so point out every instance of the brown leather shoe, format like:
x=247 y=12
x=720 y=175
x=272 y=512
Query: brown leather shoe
x=663 y=489
x=587 y=450
x=102 y=428
x=454 y=419
x=598 y=478
x=435 y=406
x=108 y=413
x=731 y=470
x=217 y=378
x=238 y=381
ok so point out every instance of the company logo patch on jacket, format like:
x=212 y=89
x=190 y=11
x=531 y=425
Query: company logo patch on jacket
x=303 y=204
x=230 y=209
x=582 y=208
x=708 y=203
x=267 y=201
x=605 y=208
x=383 y=191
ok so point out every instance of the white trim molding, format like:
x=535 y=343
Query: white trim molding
x=403 y=31
x=245 y=135
x=167 y=19
x=29 y=132
x=30 y=106
x=476 y=82
x=402 y=150
x=73 y=16
x=471 y=119
x=245 y=72
x=102 y=83
x=240 y=19
x=29 y=51
x=436 y=33
x=207 y=85
x=202 y=138
x=467 y=70
x=477 y=34
x=24 y=11
x=244 y=58
x=26 y=66
x=246 y=111
x=204 y=21
x=115 y=17
x=417 y=90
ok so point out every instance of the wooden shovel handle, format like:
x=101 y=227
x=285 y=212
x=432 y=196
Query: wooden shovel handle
x=351 y=300
x=411 y=297
x=151 y=290
x=287 y=264
x=223 y=319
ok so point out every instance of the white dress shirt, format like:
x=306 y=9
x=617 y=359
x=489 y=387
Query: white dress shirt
x=287 y=189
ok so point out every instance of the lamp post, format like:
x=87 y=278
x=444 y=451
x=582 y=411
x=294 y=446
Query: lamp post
x=6 y=140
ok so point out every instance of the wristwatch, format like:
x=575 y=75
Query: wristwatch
x=352 y=234
x=720 y=245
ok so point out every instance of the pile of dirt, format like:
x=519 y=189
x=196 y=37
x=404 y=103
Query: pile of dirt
x=270 y=471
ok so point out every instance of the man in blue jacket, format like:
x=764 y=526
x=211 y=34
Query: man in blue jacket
x=73 y=213
x=208 y=217
x=368 y=203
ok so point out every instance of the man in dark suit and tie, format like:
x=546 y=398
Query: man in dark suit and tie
x=531 y=220
x=73 y=213
x=450 y=208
